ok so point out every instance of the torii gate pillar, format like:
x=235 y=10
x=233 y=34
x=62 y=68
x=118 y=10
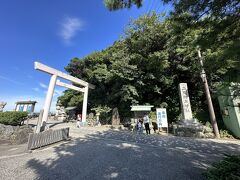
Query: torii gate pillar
x=84 y=108
x=48 y=99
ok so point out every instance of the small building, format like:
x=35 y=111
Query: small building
x=25 y=106
x=139 y=110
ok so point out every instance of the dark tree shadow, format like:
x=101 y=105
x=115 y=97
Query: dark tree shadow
x=123 y=155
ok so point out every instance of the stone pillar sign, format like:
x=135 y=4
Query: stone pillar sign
x=185 y=102
x=187 y=126
x=115 y=117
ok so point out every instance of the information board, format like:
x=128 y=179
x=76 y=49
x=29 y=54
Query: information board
x=162 y=117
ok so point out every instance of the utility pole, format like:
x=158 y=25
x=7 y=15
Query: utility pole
x=208 y=97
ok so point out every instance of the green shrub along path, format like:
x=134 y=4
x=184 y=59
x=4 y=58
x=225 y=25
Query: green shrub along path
x=12 y=117
x=228 y=168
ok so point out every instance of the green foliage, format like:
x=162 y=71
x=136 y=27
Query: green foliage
x=147 y=65
x=101 y=109
x=116 y=4
x=71 y=98
x=12 y=117
x=202 y=116
x=226 y=134
x=213 y=8
x=228 y=168
x=220 y=34
x=105 y=117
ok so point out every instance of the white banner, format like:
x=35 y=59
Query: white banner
x=162 y=117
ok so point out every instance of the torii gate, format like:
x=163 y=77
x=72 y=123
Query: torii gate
x=53 y=81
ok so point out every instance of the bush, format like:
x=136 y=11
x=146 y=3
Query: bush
x=226 y=134
x=228 y=168
x=12 y=117
x=105 y=117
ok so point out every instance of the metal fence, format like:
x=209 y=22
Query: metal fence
x=47 y=137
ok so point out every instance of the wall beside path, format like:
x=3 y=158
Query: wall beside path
x=15 y=134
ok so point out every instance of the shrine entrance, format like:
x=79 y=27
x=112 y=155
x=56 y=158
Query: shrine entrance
x=53 y=81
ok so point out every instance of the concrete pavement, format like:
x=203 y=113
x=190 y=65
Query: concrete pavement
x=101 y=153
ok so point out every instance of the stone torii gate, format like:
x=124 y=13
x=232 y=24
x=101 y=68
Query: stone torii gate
x=53 y=81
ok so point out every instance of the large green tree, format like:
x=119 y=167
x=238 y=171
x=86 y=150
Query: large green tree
x=220 y=20
x=198 y=8
x=145 y=66
x=220 y=39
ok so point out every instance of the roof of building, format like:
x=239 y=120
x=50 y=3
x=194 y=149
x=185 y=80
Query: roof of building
x=141 y=108
x=26 y=102
x=71 y=108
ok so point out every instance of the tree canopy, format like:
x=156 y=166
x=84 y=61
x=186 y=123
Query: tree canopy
x=155 y=55
x=217 y=8
x=145 y=67
x=120 y=4
x=220 y=21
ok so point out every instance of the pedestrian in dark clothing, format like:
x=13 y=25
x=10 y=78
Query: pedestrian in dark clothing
x=146 y=123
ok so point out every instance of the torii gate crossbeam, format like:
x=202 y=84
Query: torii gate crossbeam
x=53 y=81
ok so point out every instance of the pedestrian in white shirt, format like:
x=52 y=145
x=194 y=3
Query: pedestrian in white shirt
x=146 y=123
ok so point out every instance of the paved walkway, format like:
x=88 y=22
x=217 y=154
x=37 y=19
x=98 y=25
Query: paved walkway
x=101 y=153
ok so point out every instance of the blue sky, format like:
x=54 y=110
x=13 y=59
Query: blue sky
x=53 y=32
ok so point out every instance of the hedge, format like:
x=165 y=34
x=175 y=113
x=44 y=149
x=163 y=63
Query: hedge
x=12 y=117
x=228 y=168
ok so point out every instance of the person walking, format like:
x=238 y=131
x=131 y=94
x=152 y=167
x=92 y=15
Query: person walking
x=140 y=126
x=154 y=124
x=79 y=120
x=146 y=123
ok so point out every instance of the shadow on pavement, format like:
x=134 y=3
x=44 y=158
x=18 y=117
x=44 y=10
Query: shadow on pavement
x=123 y=155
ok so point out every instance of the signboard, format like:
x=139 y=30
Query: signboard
x=162 y=117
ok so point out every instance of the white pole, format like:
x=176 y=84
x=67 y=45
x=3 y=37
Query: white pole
x=84 y=109
x=48 y=100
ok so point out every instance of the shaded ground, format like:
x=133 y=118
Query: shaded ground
x=8 y=149
x=98 y=153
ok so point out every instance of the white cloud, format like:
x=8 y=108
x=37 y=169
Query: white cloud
x=69 y=28
x=36 y=89
x=43 y=85
x=10 y=80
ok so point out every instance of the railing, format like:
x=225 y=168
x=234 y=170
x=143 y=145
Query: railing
x=47 y=137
